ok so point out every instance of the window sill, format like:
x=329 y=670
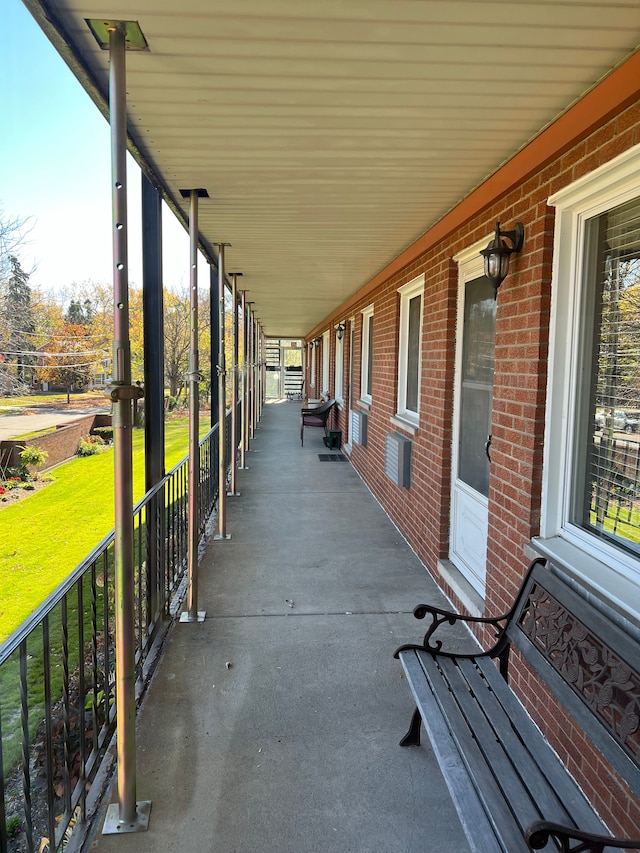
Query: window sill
x=469 y=597
x=614 y=591
x=364 y=404
x=404 y=424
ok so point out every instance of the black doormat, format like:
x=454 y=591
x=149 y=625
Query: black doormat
x=332 y=457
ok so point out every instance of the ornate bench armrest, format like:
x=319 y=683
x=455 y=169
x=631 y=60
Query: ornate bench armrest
x=441 y=617
x=538 y=834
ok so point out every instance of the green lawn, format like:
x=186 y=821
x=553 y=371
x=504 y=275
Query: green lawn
x=41 y=398
x=46 y=535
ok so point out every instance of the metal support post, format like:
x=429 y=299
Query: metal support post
x=258 y=369
x=152 y=318
x=233 y=491
x=263 y=368
x=214 y=317
x=222 y=405
x=192 y=614
x=244 y=385
x=126 y=815
x=251 y=374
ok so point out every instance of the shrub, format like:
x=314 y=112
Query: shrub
x=90 y=446
x=105 y=432
x=18 y=475
x=30 y=455
x=14 y=826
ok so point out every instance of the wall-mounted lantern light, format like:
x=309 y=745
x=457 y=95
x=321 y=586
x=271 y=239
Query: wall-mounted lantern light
x=340 y=329
x=496 y=255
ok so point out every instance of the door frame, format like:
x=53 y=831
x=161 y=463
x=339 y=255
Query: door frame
x=470 y=267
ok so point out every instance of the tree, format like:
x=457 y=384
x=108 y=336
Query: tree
x=79 y=313
x=69 y=359
x=17 y=328
x=13 y=232
x=176 y=341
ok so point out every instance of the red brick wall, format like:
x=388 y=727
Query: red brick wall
x=61 y=444
x=522 y=338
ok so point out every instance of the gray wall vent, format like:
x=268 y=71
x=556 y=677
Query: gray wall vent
x=360 y=425
x=397 y=459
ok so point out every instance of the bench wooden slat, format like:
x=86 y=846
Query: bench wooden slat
x=464 y=712
x=476 y=824
x=516 y=772
x=554 y=771
x=504 y=825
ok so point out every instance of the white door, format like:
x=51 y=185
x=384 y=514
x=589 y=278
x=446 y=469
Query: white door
x=472 y=422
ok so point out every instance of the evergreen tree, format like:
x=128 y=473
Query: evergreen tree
x=18 y=321
x=79 y=313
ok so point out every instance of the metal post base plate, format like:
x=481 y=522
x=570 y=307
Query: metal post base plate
x=233 y=494
x=114 y=826
x=243 y=467
x=219 y=537
x=185 y=617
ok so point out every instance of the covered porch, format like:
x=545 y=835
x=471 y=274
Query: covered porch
x=274 y=724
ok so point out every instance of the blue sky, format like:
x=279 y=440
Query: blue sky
x=55 y=168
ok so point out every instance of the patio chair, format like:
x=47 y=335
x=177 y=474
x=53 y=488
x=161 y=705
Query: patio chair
x=317 y=417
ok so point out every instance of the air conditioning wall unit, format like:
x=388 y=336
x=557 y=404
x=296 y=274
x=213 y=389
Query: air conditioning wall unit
x=359 y=428
x=397 y=459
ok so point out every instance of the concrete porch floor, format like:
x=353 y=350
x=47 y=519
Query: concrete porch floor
x=293 y=748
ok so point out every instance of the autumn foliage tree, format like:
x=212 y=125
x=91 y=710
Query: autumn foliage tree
x=69 y=358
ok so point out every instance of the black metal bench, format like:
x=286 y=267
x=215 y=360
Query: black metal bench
x=511 y=791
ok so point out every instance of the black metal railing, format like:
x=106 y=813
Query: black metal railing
x=57 y=670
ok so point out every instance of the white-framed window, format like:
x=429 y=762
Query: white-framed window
x=591 y=488
x=338 y=384
x=325 y=362
x=409 y=351
x=366 y=352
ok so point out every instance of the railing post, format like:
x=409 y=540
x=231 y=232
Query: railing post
x=126 y=815
x=233 y=491
x=192 y=614
x=222 y=405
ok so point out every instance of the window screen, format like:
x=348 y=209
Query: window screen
x=369 y=368
x=413 y=353
x=606 y=498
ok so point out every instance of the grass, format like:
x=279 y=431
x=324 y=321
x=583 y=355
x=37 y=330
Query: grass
x=42 y=539
x=45 y=536
x=27 y=435
x=42 y=398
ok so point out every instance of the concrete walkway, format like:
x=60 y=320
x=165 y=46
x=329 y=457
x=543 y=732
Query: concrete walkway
x=13 y=425
x=273 y=726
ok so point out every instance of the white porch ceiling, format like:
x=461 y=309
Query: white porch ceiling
x=330 y=134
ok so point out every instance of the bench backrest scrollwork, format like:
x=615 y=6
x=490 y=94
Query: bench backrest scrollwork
x=590 y=663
